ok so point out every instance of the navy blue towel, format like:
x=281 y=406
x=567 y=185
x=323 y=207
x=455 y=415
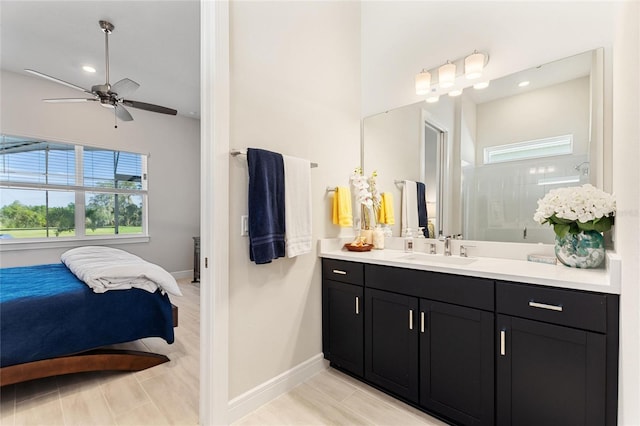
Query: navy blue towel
x=266 y=205
x=422 y=208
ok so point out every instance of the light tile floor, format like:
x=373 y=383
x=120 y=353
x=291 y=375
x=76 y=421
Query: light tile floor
x=163 y=395
x=334 y=398
x=168 y=394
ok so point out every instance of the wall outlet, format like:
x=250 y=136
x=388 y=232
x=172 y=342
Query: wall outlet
x=244 y=226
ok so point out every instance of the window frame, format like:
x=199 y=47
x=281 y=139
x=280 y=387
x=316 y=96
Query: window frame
x=530 y=145
x=80 y=203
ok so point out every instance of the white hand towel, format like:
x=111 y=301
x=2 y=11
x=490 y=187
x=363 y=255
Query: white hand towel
x=297 y=205
x=410 y=207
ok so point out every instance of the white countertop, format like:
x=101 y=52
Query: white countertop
x=603 y=280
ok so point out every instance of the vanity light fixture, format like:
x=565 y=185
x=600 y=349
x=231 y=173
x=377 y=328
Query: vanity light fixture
x=439 y=80
x=473 y=65
x=423 y=82
x=432 y=99
x=447 y=75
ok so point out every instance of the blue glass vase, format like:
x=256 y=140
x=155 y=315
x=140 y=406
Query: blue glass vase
x=582 y=250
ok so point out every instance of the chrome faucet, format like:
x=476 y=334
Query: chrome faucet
x=447 y=244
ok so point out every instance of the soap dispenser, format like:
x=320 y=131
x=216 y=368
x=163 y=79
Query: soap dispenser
x=408 y=241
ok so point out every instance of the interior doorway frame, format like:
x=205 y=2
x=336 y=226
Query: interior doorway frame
x=214 y=217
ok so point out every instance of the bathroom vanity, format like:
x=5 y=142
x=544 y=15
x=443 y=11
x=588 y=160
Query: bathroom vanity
x=475 y=341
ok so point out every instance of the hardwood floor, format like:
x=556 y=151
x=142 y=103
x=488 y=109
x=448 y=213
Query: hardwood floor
x=163 y=395
x=168 y=394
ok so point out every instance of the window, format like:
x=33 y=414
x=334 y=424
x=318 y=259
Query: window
x=547 y=147
x=56 y=190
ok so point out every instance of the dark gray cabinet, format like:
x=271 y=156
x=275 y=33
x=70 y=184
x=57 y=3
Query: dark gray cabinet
x=457 y=362
x=474 y=351
x=556 y=356
x=343 y=316
x=391 y=342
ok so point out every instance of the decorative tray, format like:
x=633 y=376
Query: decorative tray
x=364 y=247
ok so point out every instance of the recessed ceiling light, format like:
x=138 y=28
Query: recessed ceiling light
x=523 y=84
x=481 y=85
x=88 y=68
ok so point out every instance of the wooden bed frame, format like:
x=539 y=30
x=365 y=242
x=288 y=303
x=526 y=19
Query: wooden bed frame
x=93 y=360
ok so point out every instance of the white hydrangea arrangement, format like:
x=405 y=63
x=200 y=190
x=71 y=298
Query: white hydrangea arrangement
x=576 y=209
x=366 y=194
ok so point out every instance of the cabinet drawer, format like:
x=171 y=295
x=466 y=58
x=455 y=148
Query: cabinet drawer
x=457 y=289
x=572 y=308
x=343 y=271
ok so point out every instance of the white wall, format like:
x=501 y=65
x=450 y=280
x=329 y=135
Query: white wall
x=172 y=143
x=399 y=38
x=555 y=110
x=295 y=71
x=394 y=135
x=626 y=175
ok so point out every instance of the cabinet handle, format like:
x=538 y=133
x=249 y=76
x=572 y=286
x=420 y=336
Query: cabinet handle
x=503 y=338
x=557 y=308
x=339 y=272
x=410 y=319
x=422 y=322
x=357 y=305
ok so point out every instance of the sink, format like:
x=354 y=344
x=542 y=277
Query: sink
x=437 y=258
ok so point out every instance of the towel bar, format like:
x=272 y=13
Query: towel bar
x=332 y=188
x=236 y=152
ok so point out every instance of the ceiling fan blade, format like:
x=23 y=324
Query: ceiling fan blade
x=57 y=80
x=124 y=87
x=149 y=107
x=62 y=100
x=122 y=113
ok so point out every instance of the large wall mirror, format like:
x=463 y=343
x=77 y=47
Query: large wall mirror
x=488 y=155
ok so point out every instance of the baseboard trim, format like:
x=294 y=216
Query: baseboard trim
x=243 y=404
x=182 y=274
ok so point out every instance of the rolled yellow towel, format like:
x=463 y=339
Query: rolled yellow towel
x=342 y=214
x=386 y=214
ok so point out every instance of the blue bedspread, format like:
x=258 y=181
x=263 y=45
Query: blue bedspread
x=46 y=312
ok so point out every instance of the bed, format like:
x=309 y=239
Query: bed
x=53 y=323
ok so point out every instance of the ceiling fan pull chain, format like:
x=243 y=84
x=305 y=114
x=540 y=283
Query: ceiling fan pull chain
x=115 y=119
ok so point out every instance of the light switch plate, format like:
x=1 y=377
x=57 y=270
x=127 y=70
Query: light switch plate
x=244 y=226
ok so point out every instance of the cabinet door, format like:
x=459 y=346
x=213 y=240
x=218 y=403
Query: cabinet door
x=343 y=325
x=549 y=374
x=391 y=342
x=457 y=362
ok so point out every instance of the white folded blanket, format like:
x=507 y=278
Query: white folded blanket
x=106 y=268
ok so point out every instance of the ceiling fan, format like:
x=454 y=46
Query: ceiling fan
x=109 y=96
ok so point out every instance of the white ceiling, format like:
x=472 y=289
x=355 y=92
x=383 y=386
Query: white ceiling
x=155 y=43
